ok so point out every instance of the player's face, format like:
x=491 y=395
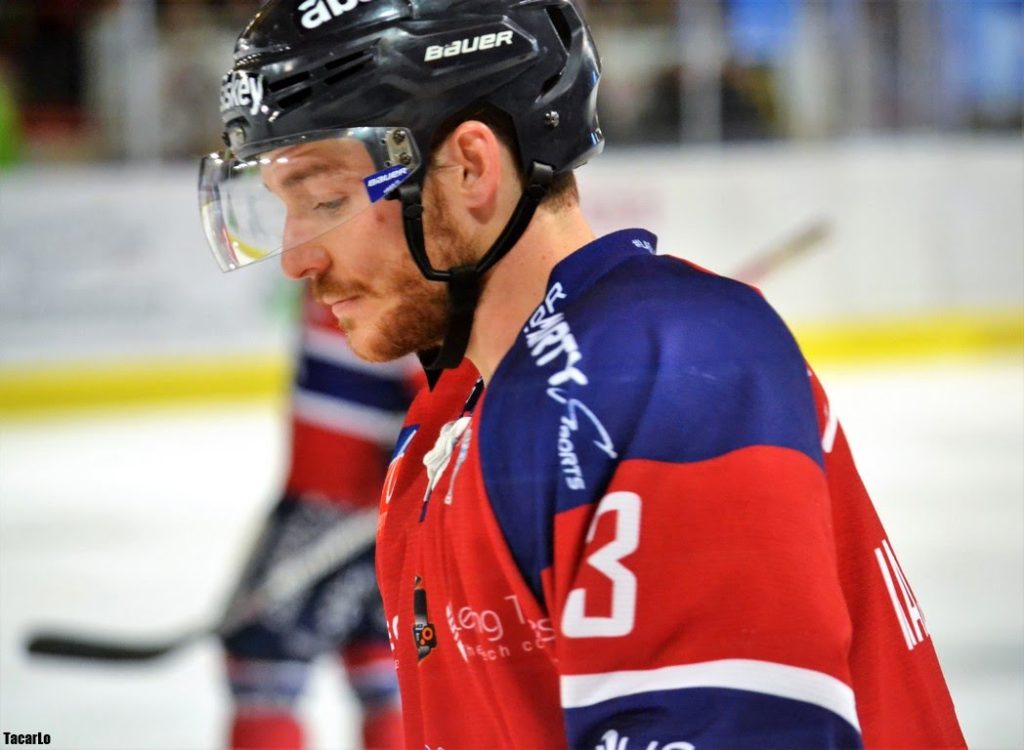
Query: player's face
x=362 y=269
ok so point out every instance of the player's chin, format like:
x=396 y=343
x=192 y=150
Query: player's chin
x=374 y=354
x=394 y=333
x=365 y=342
x=374 y=343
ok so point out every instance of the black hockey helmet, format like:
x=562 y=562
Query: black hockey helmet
x=386 y=75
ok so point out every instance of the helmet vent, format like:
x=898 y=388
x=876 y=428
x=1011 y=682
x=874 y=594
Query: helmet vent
x=561 y=24
x=284 y=83
x=348 y=65
x=293 y=100
x=341 y=62
x=551 y=82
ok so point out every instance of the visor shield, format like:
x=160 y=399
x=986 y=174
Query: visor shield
x=296 y=191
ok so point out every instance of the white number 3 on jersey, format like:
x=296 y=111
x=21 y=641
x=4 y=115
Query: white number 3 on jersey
x=575 y=622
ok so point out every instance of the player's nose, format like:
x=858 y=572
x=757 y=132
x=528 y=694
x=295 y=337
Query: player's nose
x=305 y=261
x=303 y=257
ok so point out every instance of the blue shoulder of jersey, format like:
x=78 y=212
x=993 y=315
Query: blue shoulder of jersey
x=632 y=356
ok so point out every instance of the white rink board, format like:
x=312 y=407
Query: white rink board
x=110 y=262
x=916 y=225
x=135 y=523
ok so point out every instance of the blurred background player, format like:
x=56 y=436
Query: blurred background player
x=345 y=415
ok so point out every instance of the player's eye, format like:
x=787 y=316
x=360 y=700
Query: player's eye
x=330 y=206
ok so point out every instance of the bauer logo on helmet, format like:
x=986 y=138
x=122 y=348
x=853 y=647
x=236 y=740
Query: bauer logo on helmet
x=468 y=46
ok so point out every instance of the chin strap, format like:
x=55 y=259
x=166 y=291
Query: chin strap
x=464 y=282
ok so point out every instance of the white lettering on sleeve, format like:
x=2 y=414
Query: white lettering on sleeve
x=908 y=612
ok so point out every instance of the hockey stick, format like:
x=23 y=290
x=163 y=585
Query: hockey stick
x=769 y=260
x=70 y=645
x=334 y=549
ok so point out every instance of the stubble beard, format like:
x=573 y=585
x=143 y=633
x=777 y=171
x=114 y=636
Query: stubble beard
x=414 y=322
x=418 y=318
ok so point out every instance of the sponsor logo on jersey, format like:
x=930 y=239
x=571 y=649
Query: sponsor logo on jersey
x=241 y=90
x=904 y=603
x=424 y=634
x=468 y=46
x=568 y=426
x=549 y=337
x=611 y=740
x=502 y=631
x=645 y=245
x=318 y=12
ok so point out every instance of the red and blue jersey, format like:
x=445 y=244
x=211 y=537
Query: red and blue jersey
x=646 y=532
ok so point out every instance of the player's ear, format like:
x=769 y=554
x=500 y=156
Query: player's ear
x=476 y=151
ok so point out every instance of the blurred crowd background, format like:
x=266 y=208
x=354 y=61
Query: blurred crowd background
x=137 y=79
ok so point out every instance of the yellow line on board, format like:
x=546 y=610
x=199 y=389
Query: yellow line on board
x=27 y=390
x=126 y=383
x=872 y=341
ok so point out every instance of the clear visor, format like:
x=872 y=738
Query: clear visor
x=293 y=193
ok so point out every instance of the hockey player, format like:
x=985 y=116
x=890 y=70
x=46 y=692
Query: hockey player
x=629 y=518
x=319 y=541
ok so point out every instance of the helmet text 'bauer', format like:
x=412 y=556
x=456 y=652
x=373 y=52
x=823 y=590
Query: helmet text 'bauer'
x=467 y=46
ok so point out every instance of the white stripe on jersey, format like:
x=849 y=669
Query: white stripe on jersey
x=764 y=677
x=334 y=348
x=346 y=418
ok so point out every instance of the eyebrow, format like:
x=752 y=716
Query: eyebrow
x=301 y=175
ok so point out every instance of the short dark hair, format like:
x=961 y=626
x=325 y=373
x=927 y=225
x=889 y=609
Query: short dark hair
x=563 y=192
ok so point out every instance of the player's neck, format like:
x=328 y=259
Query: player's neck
x=516 y=285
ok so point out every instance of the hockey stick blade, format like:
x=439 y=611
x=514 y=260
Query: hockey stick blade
x=79 y=646
x=333 y=550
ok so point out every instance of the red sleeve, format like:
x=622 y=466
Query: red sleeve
x=892 y=645
x=700 y=603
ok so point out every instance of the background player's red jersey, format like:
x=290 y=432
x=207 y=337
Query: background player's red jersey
x=345 y=415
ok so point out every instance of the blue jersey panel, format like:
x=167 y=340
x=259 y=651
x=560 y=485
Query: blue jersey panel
x=352 y=386
x=708 y=719
x=683 y=365
x=633 y=356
